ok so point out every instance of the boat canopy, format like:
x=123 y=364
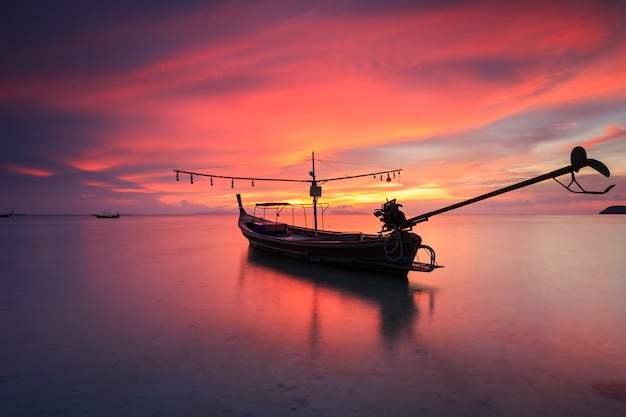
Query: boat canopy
x=272 y=204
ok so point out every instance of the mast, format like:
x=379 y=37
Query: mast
x=315 y=192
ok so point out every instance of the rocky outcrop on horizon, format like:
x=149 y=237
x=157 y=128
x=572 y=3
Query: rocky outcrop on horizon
x=614 y=210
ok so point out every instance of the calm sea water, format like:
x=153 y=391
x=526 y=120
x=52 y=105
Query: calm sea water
x=177 y=316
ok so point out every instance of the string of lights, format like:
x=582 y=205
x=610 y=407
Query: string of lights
x=378 y=174
x=315 y=190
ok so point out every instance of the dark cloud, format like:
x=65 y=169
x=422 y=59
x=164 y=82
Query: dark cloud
x=33 y=23
x=386 y=7
x=30 y=137
x=46 y=134
x=70 y=38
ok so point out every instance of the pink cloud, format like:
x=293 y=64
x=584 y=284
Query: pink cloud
x=611 y=134
x=33 y=172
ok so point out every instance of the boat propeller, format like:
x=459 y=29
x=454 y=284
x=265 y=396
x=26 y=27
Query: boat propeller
x=579 y=160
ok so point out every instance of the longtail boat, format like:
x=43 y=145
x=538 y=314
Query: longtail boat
x=393 y=252
x=395 y=247
x=105 y=215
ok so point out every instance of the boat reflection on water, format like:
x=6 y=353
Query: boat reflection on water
x=398 y=302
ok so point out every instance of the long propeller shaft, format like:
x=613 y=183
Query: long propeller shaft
x=579 y=159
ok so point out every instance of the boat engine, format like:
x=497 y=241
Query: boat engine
x=390 y=213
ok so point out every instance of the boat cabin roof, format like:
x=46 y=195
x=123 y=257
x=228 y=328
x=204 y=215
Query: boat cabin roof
x=272 y=204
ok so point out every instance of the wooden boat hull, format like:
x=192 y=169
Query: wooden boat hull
x=380 y=252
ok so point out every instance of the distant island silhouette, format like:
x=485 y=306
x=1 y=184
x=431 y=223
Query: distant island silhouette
x=614 y=210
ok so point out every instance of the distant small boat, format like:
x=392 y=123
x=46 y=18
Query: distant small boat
x=6 y=214
x=108 y=215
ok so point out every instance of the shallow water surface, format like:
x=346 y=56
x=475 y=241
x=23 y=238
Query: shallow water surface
x=176 y=315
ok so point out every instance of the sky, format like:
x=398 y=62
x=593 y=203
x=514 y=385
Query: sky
x=101 y=101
